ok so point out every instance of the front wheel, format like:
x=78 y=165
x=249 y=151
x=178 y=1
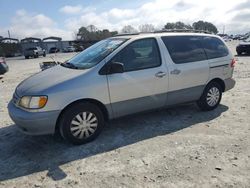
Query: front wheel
x=44 y=54
x=81 y=123
x=211 y=97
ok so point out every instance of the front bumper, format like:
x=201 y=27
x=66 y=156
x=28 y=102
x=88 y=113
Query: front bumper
x=243 y=48
x=3 y=68
x=33 y=123
x=229 y=83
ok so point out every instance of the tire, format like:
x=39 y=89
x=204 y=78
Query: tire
x=239 y=53
x=75 y=132
x=26 y=57
x=206 y=102
x=44 y=55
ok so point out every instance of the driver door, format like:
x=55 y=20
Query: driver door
x=144 y=82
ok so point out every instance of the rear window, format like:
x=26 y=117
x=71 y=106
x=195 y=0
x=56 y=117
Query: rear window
x=214 y=47
x=184 y=49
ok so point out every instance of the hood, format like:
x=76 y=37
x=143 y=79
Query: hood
x=48 y=78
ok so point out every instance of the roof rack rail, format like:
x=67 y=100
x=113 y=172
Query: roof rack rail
x=182 y=30
x=166 y=31
x=126 y=34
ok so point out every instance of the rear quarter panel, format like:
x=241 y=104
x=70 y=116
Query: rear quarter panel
x=221 y=67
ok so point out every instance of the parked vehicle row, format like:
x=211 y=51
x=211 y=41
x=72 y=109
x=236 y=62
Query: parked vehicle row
x=35 y=52
x=120 y=76
x=73 y=49
x=228 y=38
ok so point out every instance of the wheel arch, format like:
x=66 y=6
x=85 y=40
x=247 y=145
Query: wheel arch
x=100 y=105
x=220 y=82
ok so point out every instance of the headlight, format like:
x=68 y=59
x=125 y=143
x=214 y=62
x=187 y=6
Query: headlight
x=33 y=102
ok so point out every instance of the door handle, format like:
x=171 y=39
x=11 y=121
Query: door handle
x=160 y=74
x=175 y=71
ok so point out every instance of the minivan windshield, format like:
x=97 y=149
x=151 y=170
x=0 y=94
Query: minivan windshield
x=94 y=54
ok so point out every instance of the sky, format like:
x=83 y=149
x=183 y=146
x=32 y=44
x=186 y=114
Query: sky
x=43 y=18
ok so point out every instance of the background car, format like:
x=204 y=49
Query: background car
x=226 y=39
x=69 y=49
x=78 y=48
x=53 y=50
x=34 y=52
x=243 y=47
x=3 y=66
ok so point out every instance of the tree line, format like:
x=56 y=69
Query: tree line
x=92 y=33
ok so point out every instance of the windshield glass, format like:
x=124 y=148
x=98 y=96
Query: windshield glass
x=96 y=53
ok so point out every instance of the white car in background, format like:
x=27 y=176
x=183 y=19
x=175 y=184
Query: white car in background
x=227 y=39
x=69 y=49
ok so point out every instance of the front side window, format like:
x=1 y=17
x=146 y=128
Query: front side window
x=140 y=54
x=214 y=47
x=184 y=49
x=94 y=54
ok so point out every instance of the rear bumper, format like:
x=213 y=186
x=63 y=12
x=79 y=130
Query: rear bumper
x=33 y=123
x=229 y=83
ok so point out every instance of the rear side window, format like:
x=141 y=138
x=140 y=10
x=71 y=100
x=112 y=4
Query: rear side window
x=214 y=47
x=184 y=49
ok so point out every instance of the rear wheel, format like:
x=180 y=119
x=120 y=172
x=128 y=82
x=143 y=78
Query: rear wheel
x=26 y=57
x=81 y=123
x=44 y=54
x=211 y=97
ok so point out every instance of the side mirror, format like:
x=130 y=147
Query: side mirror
x=112 y=68
x=116 y=67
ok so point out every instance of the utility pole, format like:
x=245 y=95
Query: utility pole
x=223 y=29
x=9 y=35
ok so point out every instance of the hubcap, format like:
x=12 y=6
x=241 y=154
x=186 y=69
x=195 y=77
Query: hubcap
x=83 y=125
x=213 y=96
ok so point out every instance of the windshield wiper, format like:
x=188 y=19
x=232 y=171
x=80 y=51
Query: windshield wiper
x=69 y=65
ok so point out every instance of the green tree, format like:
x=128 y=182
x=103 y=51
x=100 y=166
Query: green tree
x=177 y=25
x=91 y=33
x=128 y=29
x=205 y=26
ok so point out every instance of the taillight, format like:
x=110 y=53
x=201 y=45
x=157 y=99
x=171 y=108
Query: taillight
x=233 y=62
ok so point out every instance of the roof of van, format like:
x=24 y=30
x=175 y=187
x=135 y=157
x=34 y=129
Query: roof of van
x=142 y=35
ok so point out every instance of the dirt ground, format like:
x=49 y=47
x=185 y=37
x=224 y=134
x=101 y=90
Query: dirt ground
x=177 y=147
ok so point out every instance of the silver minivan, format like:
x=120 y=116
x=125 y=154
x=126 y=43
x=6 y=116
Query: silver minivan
x=119 y=76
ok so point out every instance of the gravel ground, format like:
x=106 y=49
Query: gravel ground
x=177 y=147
